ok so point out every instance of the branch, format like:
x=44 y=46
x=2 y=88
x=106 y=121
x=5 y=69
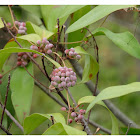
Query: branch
x=6 y=131
x=6 y=96
x=11 y=117
x=120 y=115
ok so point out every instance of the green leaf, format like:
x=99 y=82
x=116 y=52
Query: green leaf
x=115 y=91
x=32 y=28
x=1 y=23
x=91 y=66
x=90 y=99
x=126 y=41
x=132 y=131
x=22 y=85
x=15 y=50
x=30 y=37
x=34 y=9
x=52 y=13
x=34 y=120
x=94 y=15
x=56 y=129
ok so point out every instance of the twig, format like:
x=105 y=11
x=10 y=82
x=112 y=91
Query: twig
x=11 y=117
x=128 y=128
x=6 y=96
x=68 y=104
x=52 y=119
x=97 y=76
x=6 y=131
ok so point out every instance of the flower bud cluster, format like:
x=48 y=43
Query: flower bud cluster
x=63 y=78
x=72 y=54
x=43 y=46
x=1 y=78
x=21 y=27
x=76 y=116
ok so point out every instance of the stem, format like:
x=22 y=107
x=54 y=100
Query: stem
x=6 y=131
x=68 y=105
x=9 y=70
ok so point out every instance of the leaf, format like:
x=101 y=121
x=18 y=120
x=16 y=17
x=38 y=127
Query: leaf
x=52 y=13
x=34 y=9
x=32 y=28
x=56 y=129
x=34 y=120
x=22 y=85
x=132 y=131
x=94 y=15
x=126 y=41
x=30 y=37
x=15 y=50
x=1 y=23
x=115 y=91
x=90 y=99
x=91 y=66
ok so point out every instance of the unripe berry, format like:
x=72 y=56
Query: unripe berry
x=25 y=29
x=21 y=28
x=63 y=84
x=62 y=78
x=1 y=76
x=20 y=53
x=23 y=24
x=73 y=114
x=69 y=84
x=80 y=117
x=50 y=45
x=0 y=82
x=49 y=51
x=70 y=120
x=24 y=63
x=63 y=74
x=67 y=73
x=67 y=79
x=63 y=108
x=9 y=24
x=46 y=47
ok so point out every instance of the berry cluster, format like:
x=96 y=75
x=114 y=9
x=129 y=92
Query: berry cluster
x=63 y=78
x=43 y=46
x=1 y=78
x=21 y=27
x=22 y=59
x=76 y=116
x=72 y=54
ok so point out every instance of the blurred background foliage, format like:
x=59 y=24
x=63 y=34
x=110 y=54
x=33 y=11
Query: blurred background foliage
x=116 y=66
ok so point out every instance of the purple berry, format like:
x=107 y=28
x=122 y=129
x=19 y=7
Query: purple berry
x=38 y=42
x=66 y=51
x=80 y=117
x=63 y=74
x=46 y=47
x=62 y=78
x=72 y=49
x=76 y=119
x=9 y=24
x=71 y=53
x=21 y=28
x=70 y=120
x=63 y=108
x=82 y=111
x=16 y=23
x=78 y=57
x=63 y=84
x=73 y=114
x=69 y=84
x=23 y=24
x=50 y=46
x=49 y=51
x=67 y=73
x=73 y=83
x=67 y=79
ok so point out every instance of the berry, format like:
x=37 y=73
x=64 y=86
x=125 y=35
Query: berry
x=80 y=117
x=72 y=49
x=9 y=24
x=19 y=63
x=73 y=114
x=1 y=76
x=76 y=119
x=66 y=51
x=70 y=120
x=16 y=23
x=38 y=42
x=35 y=55
x=78 y=57
x=82 y=111
x=63 y=108
x=0 y=82
x=49 y=51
